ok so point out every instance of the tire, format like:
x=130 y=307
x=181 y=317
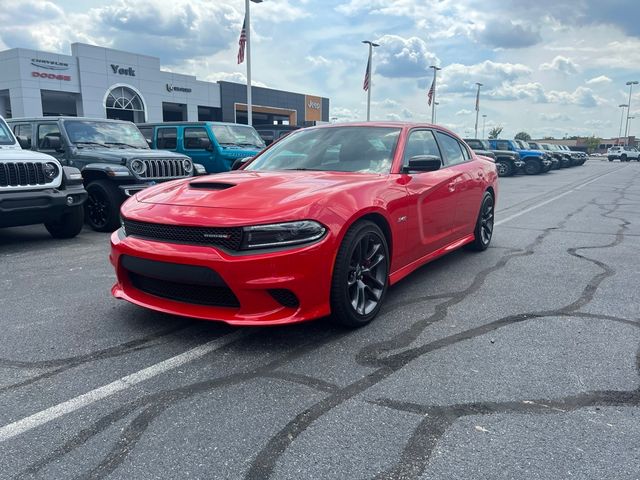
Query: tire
x=102 y=210
x=483 y=232
x=623 y=158
x=610 y=159
x=352 y=280
x=532 y=167
x=68 y=225
x=505 y=169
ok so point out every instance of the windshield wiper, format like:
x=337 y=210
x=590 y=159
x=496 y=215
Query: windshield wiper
x=120 y=144
x=91 y=143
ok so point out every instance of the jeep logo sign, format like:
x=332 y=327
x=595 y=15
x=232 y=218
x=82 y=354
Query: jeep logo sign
x=312 y=108
x=172 y=88
x=130 y=72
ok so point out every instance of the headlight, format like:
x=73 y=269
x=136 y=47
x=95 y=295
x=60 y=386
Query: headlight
x=187 y=165
x=281 y=234
x=138 y=166
x=50 y=170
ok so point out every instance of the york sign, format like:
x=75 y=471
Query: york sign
x=130 y=72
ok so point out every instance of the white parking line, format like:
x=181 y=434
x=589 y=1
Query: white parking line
x=553 y=199
x=45 y=416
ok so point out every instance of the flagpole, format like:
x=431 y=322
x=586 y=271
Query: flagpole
x=248 y=33
x=371 y=45
x=477 y=107
x=433 y=98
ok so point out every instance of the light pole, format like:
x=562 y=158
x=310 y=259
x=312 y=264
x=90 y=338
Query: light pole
x=630 y=118
x=247 y=10
x=433 y=94
x=484 y=120
x=477 y=106
x=622 y=105
x=626 y=128
x=369 y=81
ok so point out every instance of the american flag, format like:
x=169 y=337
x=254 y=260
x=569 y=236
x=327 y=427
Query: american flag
x=365 y=84
x=242 y=41
x=431 y=91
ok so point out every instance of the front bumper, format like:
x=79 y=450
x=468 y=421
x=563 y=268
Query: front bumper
x=304 y=272
x=38 y=206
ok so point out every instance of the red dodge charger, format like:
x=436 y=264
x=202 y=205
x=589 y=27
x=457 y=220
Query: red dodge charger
x=320 y=223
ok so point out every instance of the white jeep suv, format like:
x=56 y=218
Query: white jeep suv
x=625 y=154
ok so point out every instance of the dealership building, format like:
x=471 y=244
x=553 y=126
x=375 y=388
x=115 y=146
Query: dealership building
x=105 y=83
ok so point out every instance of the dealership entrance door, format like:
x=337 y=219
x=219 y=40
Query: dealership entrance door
x=266 y=115
x=123 y=103
x=56 y=103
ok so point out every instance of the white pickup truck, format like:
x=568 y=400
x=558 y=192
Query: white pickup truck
x=35 y=188
x=624 y=154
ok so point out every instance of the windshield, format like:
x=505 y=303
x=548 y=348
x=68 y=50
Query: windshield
x=534 y=146
x=338 y=149
x=485 y=144
x=237 y=135
x=524 y=145
x=5 y=134
x=83 y=132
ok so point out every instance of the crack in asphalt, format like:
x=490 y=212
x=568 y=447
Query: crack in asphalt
x=413 y=459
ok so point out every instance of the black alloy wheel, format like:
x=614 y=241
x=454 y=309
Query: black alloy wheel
x=532 y=167
x=505 y=169
x=103 y=206
x=360 y=276
x=484 y=225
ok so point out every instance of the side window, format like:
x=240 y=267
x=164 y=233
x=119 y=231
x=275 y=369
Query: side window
x=167 y=138
x=23 y=131
x=503 y=145
x=48 y=136
x=420 y=142
x=465 y=151
x=194 y=138
x=147 y=133
x=451 y=148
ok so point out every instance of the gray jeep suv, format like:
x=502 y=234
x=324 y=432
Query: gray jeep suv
x=113 y=156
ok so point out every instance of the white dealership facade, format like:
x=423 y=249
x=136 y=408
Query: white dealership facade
x=105 y=83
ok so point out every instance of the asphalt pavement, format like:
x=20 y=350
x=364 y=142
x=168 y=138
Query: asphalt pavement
x=521 y=362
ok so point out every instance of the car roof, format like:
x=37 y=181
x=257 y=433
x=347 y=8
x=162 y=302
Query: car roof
x=390 y=124
x=64 y=117
x=186 y=124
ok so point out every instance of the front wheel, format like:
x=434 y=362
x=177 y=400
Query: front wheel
x=532 y=167
x=623 y=158
x=505 y=169
x=68 y=225
x=360 y=275
x=484 y=224
x=103 y=206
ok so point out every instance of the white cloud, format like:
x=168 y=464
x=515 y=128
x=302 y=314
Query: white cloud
x=601 y=80
x=555 y=117
x=463 y=112
x=562 y=65
x=462 y=78
x=318 y=61
x=394 y=117
x=236 y=77
x=403 y=57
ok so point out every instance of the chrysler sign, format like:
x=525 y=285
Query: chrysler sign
x=49 y=64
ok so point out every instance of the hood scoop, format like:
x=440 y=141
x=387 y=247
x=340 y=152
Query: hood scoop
x=211 y=185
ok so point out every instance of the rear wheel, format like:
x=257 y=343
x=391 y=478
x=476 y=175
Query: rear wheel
x=484 y=224
x=68 y=225
x=532 y=167
x=103 y=206
x=505 y=169
x=360 y=275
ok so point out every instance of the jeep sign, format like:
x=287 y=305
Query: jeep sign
x=312 y=108
x=130 y=72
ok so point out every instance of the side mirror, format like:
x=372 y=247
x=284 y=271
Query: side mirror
x=205 y=144
x=240 y=162
x=24 y=142
x=423 y=163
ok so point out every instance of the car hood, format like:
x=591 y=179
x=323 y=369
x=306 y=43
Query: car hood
x=24 y=156
x=118 y=154
x=508 y=153
x=252 y=190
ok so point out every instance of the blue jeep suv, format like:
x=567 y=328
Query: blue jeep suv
x=535 y=161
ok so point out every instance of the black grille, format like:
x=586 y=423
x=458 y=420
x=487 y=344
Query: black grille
x=186 y=293
x=164 y=168
x=284 y=297
x=22 y=174
x=226 y=238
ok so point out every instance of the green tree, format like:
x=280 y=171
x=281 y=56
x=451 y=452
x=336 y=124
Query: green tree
x=524 y=136
x=593 y=143
x=495 y=132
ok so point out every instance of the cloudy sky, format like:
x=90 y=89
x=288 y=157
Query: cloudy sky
x=550 y=67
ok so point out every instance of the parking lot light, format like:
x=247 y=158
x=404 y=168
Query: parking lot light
x=477 y=107
x=626 y=128
x=623 y=106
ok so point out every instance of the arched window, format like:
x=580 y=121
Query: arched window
x=123 y=103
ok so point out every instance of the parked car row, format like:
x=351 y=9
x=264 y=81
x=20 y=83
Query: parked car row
x=531 y=158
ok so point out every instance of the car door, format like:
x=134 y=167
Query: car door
x=431 y=198
x=468 y=186
x=195 y=145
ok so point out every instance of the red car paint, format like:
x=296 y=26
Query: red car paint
x=427 y=215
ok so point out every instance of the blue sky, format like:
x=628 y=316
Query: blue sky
x=550 y=67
